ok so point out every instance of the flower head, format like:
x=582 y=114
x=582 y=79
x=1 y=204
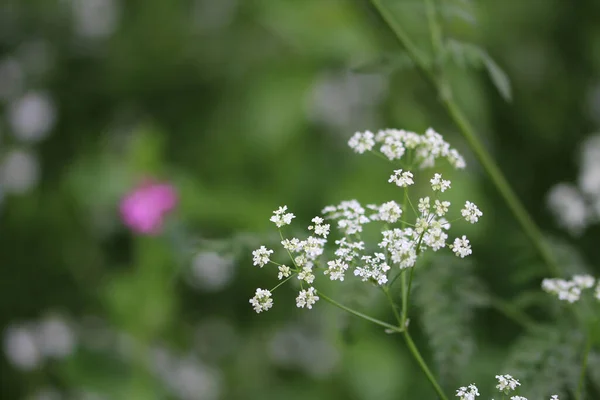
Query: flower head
x=281 y=218
x=261 y=256
x=307 y=298
x=467 y=393
x=402 y=178
x=506 y=383
x=461 y=247
x=262 y=300
x=361 y=142
x=143 y=209
x=471 y=213
x=439 y=184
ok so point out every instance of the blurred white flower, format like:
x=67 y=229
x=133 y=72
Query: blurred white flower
x=19 y=172
x=95 y=19
x=20 y=348
x=301 y=346
x=569 y=207
x=211 y=271
x=210 y=15
x=32 y=117
x=345 y=100
x=55 y=338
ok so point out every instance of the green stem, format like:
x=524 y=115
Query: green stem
x=586 y=353
x=386 y=290
x=361 y=315
x=417 y=356
x=485 y=159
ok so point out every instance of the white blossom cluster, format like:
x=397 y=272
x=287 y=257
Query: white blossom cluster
x=506 y=385
x=394 y=144
x=570 y=290
x=577 y=206
x=403 y=237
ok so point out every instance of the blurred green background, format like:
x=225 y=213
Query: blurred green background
x=244 y=106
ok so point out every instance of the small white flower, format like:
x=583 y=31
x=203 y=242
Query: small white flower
x=361 y=142
x=461 y=247
x=583 y=281
x=319 y=228
x=435 y=238
x=393 y=148
x=280 y=218
x=307 y=298
x=350 y=215
x=421 y=225
x=439 y=184
x=402 y=179
x=554 y=397
x=471 y=213
x=506 y=383
x=293 y=245
x=374 y=268
x=441 y=207
x=567 y=290
x=518 y=398
x=261 y=256
x=387 y=212
x=455 y=159
x=424 y=205
x=467 y=393
x=313 y=247
x=336 y=269
x=262 y=300
x=306 y=274
x=284 y=272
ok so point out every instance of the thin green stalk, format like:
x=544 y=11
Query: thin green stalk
x=485 y=159
x=361 y=315
x=586 y=353
x=417 y=356
x=413 y=348
x=386 y=290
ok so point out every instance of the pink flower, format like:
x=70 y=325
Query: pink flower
x=143 y=209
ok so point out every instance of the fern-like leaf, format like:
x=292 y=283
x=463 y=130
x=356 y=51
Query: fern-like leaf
x=470 y=55
x=546 y=361
x=447 y=294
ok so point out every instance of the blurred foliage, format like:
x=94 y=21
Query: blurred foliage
x=244 y=106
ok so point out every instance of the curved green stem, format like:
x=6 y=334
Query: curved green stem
x=417 y=356
x=484 y=158
x=361 y=315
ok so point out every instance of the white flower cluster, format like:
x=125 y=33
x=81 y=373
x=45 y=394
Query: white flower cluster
x=506 y=385
x=350 y=216
x=467 y=392
x=399 y=246
x=280 y=218
x=570 y=290
x=394 y=144
x=577 y=206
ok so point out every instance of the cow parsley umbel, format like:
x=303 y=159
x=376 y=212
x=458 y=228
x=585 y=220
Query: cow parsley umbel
x=408 y=226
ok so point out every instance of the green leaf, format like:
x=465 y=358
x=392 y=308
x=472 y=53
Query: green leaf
x=447 y=293
x=547 y=361
x=470 y=55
